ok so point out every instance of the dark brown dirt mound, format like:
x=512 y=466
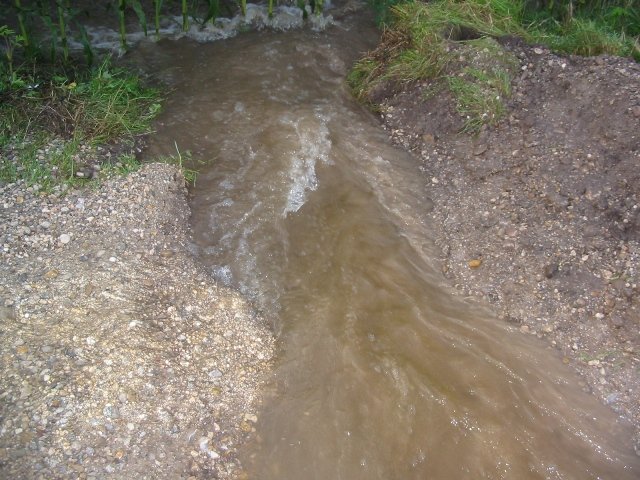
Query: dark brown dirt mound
x=548 y=202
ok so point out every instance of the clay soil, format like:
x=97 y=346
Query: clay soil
x=539 y=215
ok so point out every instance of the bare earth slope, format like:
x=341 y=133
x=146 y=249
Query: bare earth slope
x=119 y=356
x=548 y=203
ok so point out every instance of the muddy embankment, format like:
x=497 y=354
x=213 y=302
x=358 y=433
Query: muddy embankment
x=540 y=215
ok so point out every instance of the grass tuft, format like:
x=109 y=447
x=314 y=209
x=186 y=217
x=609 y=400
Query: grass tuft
x=425 y=42
x=181 y=160
x=586 y=37
x=50 y=123
x=110 y=104
x=479 y=96
x=450 y=45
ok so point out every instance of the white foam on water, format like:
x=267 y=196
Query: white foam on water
x=257 y=18
x=314 y=145
x=226 y=184
x=223 y=274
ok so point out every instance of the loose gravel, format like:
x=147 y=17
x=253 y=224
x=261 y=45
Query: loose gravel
x=120 y=356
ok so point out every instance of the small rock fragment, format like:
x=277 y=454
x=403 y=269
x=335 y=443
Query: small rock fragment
x=550 y=270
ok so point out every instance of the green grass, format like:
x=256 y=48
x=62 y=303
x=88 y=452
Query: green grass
x=184 y=161
x=449 y=44
x=111 y=104
x=587 y=37
x=125 y=165
x=32 y=163
x=449 y=18
x=100 y=106
x=479 y=96
x=481 y=87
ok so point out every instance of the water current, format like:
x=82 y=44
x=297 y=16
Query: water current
x=304 y=206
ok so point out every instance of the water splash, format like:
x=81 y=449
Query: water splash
x=257 y=18
x=314 y=145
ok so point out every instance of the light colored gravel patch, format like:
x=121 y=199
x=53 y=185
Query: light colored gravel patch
x=120 y=357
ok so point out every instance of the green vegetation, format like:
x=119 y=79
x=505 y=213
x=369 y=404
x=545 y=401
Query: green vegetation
x=63 y=19
x=181 y=160
x=49 y=115
x=585 y=27
x=449 y=43
x=48 y=97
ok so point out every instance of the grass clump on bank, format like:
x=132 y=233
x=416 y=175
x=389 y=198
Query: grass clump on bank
x=449 y=43
x=585 y=27
x=52 y=120
x=483 y=83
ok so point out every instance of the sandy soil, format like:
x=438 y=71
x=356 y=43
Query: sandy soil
x=540 y=215
x=120 y=356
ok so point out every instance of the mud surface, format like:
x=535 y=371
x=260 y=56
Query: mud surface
x=539 y=215
x=120 y=357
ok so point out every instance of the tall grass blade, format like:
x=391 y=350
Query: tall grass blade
x=213 y=10
x=10 y=43
x=86 y=43
x=45 y=16
x=22 y=25
x=142 y=18
x=62 y=27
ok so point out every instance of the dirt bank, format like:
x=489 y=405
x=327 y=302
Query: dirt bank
x=540 y=215
x=120 y=357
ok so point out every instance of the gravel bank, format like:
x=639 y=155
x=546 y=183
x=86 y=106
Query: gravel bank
x=120 y=357
x=540 y=215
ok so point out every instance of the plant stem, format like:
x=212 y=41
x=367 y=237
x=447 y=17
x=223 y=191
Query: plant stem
x=158 y=5
x=185 y=16
x=122 y=4
x=63 y=31
x=212 y=11
x=243 y=7
x=21 y=23
x=270 y=9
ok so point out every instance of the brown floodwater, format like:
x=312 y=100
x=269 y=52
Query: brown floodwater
x=304 y=206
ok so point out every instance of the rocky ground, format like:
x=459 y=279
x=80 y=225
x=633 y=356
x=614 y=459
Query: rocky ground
x=540 y=215
x=120 y=357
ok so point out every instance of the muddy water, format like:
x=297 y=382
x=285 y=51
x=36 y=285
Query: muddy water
x=304 y=206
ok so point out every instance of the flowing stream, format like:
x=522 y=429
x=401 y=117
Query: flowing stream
x=304 y=205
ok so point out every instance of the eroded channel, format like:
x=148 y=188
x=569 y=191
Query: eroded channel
x=304 y=206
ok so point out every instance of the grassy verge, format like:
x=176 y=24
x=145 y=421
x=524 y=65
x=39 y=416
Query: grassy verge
x=450 y=44
x=53 y=123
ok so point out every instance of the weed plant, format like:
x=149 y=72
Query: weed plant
x=422 y=42
x=83 y=108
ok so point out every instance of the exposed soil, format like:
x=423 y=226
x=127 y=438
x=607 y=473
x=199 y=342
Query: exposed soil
x=540 y=215
x=120 y=356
